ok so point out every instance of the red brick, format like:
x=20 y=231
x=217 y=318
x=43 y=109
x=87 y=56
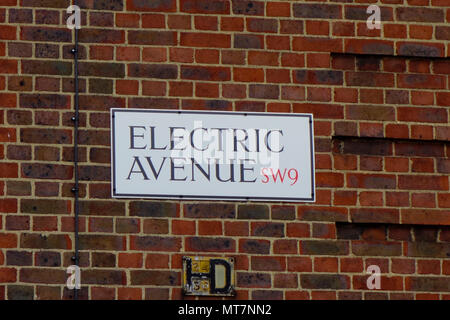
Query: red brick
x=205 y=40
x=231 y=24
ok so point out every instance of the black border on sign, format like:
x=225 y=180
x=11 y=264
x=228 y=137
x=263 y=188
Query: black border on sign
x=199 y=197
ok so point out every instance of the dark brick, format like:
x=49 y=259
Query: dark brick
x=159 y=71
x=424 y=233
x=46 y=34
x=149 y=103
x=94 y=137
x=153 y=209
x=45 y=50
x=442 y=32
x=103 y=260
x=46 y=189
x=52 y=136
x=101 y=242
x=268 y=263
x=443 y=165
x=101 y=36
x=373 y=181
x=210 y=210
x=98 y=69
x=264 y=91
x=268 y=229
x=205 y=6
x=420 y=14
x=44 y=101
x=248 y=41
x=19 y=292
x=127 y=225
x=419 y=149
x=205 y=73
x=210 y=244
x=317 y=11
x=43 y=206
x=283 y=212
x=324 y=247
x=152 y=38
x=104 y=277
x=397 y=97
x=101 y=86
x=367 y=215
x=19 y=117
x=253 y=211
x=99 y=120
x=101 y=19
x=428 y=284
x=45 y=153
x=420 y=50
x=248 y=7
x=102 y=208
x=428 y=249
x=48 y=293
x=20 y=16
x=323 y=214
x=359 y=13
x=18 y=188
x=101 y=155
x=157 y=294
x=324 y=281
x=95 y=173
x=45 y=3
x=51 y=241
x=19 y=258
x=379 y=248
x=83 y=293
x=369 y=63
x=19 y=49
x=267 y=295
x=363 y=146
x=369 y=79
x=16 y=152
x=115 y=5
x=156 y=5
x=47 y=17
x=253 y=280
x=47 y=67
x=151 y=243
x=254 y=246
x=20 y=83
x=47 y=171
x=48 y=259
x=291 y=26
x=156 y=278
x=329 y=77
x=17 y=222
x=262 y=25
x=349 y=231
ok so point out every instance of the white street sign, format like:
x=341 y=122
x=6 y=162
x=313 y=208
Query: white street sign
x=177 y=154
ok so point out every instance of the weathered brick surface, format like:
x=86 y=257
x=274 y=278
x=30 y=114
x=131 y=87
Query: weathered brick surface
x=381 y=102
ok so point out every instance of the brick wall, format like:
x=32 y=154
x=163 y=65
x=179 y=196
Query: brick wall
x=380 y=99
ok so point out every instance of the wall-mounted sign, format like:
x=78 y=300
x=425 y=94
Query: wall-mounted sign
x=208 y=276
x=212 y=155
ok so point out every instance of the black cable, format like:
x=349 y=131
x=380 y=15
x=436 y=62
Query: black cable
x=75 y=189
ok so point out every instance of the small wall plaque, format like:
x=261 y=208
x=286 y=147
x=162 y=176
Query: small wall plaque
x=208 y=276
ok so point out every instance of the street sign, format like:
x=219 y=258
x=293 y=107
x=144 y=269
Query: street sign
x=211 y=276
x=177 y=154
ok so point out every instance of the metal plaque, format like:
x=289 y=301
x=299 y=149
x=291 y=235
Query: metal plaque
x=208 y=276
